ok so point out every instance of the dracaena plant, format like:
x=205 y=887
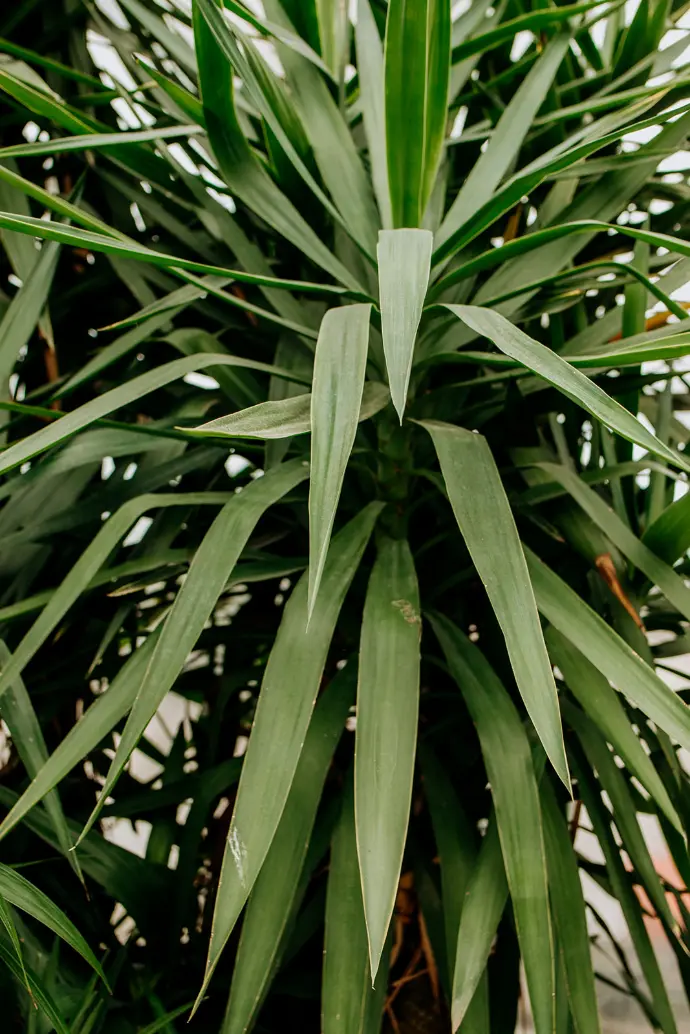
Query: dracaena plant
x=343 y=405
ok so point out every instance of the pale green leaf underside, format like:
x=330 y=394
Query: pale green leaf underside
x=404 y=258
x=284 y=417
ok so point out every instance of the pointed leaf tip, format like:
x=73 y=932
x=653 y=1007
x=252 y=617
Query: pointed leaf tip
x=485 y=517
x=404 y=258
x=336 y=399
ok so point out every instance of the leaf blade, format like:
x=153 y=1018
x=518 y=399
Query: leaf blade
x=336 y=398
x=404 y=259
x=386 y=735
x=484 y=518
x=282 y=717
x=515 y=793
x=571 y=382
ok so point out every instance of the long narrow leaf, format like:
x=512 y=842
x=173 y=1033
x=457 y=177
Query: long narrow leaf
x=610 y=654
x=276 y=892
x=417 y=66
x=352 y=1001
x=558 y=372
x=604 y=707
x=569 y=914
x=515 y=793
x=387 y=706
x=404 y=258
x=336 y=399
x=288 y=693
x=485 y=519
x=207 y=576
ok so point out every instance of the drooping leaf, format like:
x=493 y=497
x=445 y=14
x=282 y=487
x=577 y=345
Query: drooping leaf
x=114 y=399
x=515 y=793
x=83 y=737
x=610 y=654
x=457 y=845
x=558 y=372
x=21 y=719
x=484 y=518
x=37 y=990
x=636 y=551
x=485 y=901
x=27 y=897
x=669 y=535
x=602 y=704
x=207 y=576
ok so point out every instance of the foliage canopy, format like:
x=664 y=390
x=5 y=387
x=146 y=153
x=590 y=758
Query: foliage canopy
x=343 y=396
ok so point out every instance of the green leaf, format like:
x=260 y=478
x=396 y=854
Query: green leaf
x=669 y=535
x=371 y=79
x=25 y=309
x=207 y=576
x=103 y=714
x=288 y=693
x=386 y=736
x=334 y=33
x=515 y=794
x=530 y=21
x=86 y=567
x=336 y=399
x=36 y=989
x=279 y=33
x=335 y=151
x=417 y=68
x=485 y=519
x=404 y=258
x=539 y=238
x=24 y=895
x=506 y=140
x=241 y=170
x=116 y=398
x=7 y=921
x=568 y=906
x=174 y=43
x=625 y=895
x=601 y=703
x=132 y=250
x=20 y=250
x=456 y=841
x=610 y=654
x=671 y=585
x=624 y=813
x=485 y=901
x=547 y=364
x=95 y=141
x=280 y=884
x=526 y=180
x=20 y=717
x=352 y=1001
x=284 y=417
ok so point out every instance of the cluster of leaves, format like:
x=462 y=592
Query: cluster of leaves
x=342 y=393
